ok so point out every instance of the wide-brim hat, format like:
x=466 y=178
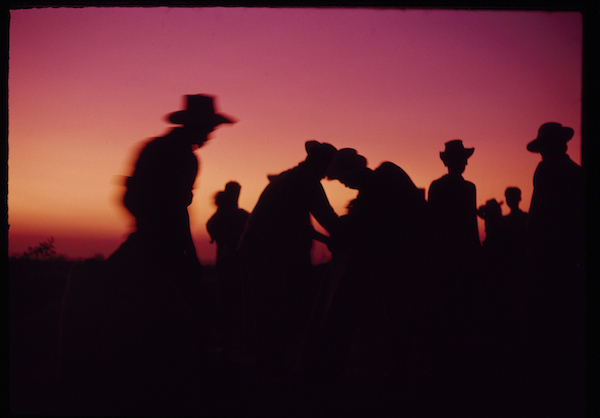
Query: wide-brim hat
x=345 y=161
x=491 y=206
x=456 y=149
x=551 y=133
x=199 y=109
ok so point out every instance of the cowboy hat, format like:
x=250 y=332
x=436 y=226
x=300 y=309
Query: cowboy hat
x=550 y=133
x=454 y=149
x=199 y=108
x=491 y=207
x=346 y=160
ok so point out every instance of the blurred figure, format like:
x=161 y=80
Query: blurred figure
x=381 y=252
x=494 y=285
x=131 y=327
x=276 y=258
x=557 y=282
x=493 y=244
x=161 y=187
x=225 y=228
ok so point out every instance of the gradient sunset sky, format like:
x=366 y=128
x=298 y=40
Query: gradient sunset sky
x=88 y=86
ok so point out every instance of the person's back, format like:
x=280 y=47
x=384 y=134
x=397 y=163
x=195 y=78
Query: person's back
x=281 y=215
x=227 y=224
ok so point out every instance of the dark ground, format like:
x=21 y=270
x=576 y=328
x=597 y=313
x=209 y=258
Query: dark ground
x=483 y=375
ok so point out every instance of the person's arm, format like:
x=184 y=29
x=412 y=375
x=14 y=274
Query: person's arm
x=320 y=237
x=321 y=209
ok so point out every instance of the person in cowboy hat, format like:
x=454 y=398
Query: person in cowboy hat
x=225 y=228
x=160 y=188
x=557 y=212
x=132 y=326
x=453 y=202
x=275 y=251
x=556 y=300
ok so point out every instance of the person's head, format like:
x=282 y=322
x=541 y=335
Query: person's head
x=350 y=168
x=319 y=156
x=551 y=140
x=199 y=118
x=513 y=197
x=455 y=156
x=228 y=197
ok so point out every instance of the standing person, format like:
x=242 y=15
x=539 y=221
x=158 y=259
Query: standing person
x=557 y=211
x=516 y=221
x=276 y=258
x=556 y=258
x=131 y=328
x=225 y=228
x=515 y=228
x=493 y=245
x=161 y=188
x=453 y=203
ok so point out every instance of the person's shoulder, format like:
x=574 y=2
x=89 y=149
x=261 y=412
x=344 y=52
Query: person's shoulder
x=387 y=165
x=469 y=184
x=439 y=181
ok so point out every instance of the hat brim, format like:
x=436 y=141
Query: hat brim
x=183 y=117
x=538 y=143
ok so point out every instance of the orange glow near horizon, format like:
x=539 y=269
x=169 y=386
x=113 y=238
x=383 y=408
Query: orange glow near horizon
x=88 y=86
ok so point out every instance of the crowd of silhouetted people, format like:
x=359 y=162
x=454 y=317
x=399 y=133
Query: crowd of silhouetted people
x=408 y=290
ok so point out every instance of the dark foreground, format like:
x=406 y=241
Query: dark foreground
x=484 y=374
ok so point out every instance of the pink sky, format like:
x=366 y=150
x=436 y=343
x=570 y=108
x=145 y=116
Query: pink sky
x=88 y=85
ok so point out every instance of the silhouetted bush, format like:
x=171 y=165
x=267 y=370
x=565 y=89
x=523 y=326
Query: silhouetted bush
x=44 y=250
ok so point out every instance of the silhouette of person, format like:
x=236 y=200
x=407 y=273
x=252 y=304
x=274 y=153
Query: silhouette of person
x=556 y=257
x=557 y=211
x=161 y=188
x=276 y=258
x=131 y=327
x=452 y=201
x=493 y=285
x=380 y=251
x=225 y=228
x=493 y=244
x=515 y=228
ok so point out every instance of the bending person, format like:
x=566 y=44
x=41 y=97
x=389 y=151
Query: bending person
x=276 y=262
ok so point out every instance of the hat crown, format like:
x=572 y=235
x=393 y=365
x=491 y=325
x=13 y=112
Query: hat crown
x=319 y=150
x=455 y=145
x=346 y=160
x=456 y=149
x=554 y=130
x=550 y=134
x=199 y=103
x=200 y=108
